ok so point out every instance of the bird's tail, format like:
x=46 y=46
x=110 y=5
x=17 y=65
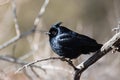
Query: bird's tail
x=97 y=47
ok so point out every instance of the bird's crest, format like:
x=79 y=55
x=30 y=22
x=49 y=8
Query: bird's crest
x=57 y=24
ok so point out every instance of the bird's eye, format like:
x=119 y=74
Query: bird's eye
x=54 y=32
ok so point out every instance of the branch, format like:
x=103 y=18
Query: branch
x=17 y=61
x=37 y=21
x=21 y=35
x=15 y=18
x=41 y=12
x=112 y=44
x=51 y=58
x=14 y=39
x=20 y=62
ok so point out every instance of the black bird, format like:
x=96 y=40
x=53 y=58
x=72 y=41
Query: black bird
x=69 y=44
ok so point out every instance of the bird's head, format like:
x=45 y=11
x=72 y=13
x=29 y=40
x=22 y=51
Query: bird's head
x=54 y=29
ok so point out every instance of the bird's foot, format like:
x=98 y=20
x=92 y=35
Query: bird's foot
x=71 y=63
x=62 y=58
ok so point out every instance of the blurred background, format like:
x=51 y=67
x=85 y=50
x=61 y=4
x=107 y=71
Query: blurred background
x=94 y=18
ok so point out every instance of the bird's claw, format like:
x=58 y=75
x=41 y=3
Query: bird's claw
x=62 y=58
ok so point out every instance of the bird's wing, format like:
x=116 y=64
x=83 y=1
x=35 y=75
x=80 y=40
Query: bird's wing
x=76 y=40
x=85 y=40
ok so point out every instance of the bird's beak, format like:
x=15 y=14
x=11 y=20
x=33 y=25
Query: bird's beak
x=47 y=33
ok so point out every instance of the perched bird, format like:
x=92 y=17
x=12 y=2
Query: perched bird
x=69 y=44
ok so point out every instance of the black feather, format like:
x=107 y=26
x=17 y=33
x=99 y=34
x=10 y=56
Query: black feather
x=70 y=44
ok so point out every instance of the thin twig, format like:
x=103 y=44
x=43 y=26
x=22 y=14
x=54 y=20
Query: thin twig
x=51 y=58
x=36 y=74
x=9 y=42
x=17 y=61
x=14 y=39
x=27 y=74
x=15 y=17
x=20 y=35
x=36 y=22
x=41 y=12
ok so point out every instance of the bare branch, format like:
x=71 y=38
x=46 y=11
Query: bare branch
x=17 y=61
x=16 y=28
x=15 y=17
x=20 y=35
x=35 y=26
x=28 y=75
x=107 y=47
x=41 y=12
x=4 y=45
x=36 y=74
x=113 y=43
x=51 y=58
